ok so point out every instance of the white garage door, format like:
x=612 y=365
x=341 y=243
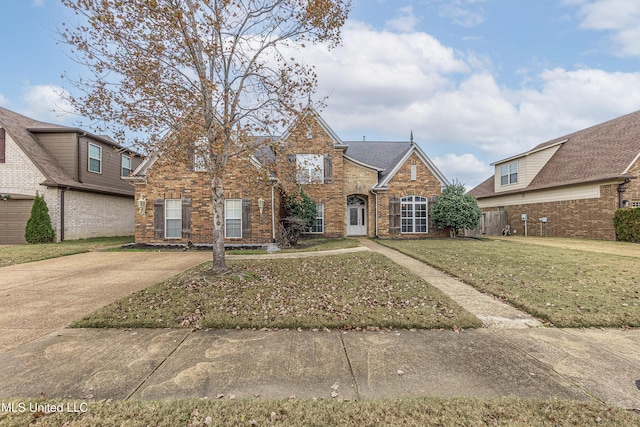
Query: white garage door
x=14 y=215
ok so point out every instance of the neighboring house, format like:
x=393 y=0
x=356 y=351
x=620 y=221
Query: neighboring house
x=570 y=186
x=360 y=188
x=78 y=174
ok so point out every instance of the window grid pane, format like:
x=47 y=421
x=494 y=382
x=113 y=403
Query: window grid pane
x=173 y=219
x=233 y=218
x=318 y=226
x=414 y=214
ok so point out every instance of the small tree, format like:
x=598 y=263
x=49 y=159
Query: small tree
x=455 y=210
x=38 y=229
x=301 y=214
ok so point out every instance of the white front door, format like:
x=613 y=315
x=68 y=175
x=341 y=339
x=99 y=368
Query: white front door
x=356 y=216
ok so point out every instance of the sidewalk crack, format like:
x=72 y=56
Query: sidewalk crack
x=153 y=371
x=353 y=377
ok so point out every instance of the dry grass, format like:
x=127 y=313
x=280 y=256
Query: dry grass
x=392 y=413
x=348 y=291
x=564 y=287
x=18 y=254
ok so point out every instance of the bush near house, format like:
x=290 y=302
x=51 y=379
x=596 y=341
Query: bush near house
x=455 y=210
x=38 y=229
x=627 y=224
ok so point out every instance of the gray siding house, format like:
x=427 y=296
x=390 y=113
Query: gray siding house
x=79 y=174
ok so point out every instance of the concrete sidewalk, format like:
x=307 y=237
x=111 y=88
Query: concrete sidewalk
x=166 y=363
x=511 y=356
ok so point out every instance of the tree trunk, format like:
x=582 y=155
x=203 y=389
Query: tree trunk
x=219 y=263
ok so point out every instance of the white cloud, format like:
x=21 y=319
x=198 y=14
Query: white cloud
x=461 y=12
x=46 y=103
x=3 y=100
x=38 y=3
x=404 y=22
x=384 y=85
x=619 y=17
x=466 y=168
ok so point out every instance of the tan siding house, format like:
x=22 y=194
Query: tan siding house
x=570 y=186
x=360 y=188
x=86 y=197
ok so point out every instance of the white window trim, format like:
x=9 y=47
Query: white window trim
x=312 y=165
x=124 y=156
x=319 y=216
x=414 y=202
x=509 y=173
x=167 y=218
x=229 y=218
x=414 y=172
x=89 y=158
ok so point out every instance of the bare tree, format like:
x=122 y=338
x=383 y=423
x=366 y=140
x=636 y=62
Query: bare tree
x=213 y=71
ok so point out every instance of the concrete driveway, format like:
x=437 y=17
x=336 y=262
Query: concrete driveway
x=40 y=297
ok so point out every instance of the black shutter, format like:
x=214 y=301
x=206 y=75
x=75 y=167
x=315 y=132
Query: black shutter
x=328 y=169
x=186 y=218
x=2 y=146
x=246 y=218
x=158 y=219
x=394 y=215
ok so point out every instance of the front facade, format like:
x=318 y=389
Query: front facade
x=360 y=189
x=79 y=175
x=570 y=186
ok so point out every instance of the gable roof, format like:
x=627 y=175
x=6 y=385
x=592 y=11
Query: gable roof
x=602 y=152
x=388 y=157
x=23 y=131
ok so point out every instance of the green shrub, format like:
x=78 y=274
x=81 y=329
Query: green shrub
x=38 y=229
x=454 y=209
x=627 y=224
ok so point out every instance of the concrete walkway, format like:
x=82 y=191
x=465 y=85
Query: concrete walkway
x=511 y=356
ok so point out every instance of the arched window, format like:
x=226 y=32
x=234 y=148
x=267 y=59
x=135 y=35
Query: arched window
x=414 y=214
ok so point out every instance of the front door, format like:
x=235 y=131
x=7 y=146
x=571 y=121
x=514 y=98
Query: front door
x=356 y=216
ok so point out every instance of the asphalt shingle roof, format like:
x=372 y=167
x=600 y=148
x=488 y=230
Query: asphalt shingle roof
x=23 y=131
x=381 y=154
x=600 y=152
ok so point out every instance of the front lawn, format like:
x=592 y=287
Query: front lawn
x=308 y=413
x=18 y=254
x=359 y=290
x=567 y=288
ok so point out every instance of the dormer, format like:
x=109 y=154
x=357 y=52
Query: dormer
x=517 y=172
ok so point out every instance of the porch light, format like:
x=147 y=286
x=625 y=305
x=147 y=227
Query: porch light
x=142 y=205
x=261 y=205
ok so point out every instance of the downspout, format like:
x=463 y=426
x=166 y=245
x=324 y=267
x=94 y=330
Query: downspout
x=62 y=190
x=273 y=214
x=621 y=189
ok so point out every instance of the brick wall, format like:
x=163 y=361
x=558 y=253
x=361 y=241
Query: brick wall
x=401 y=185
x=171 y=181
x=96 y=215
x=583 y=218
x=358 y=181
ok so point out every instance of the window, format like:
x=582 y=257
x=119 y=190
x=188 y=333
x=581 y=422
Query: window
x=310 y=168
x=509 y=173
x=200 y=157
x=173 y=219
x=414 y=214
x=126 y=165
x=233 y=218
x=318 y=226
x=414 y=172
x=635 y=203
x=95 y=158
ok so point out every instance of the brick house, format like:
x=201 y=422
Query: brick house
x=80 y=176
x=360 y=188
x=570 y=186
